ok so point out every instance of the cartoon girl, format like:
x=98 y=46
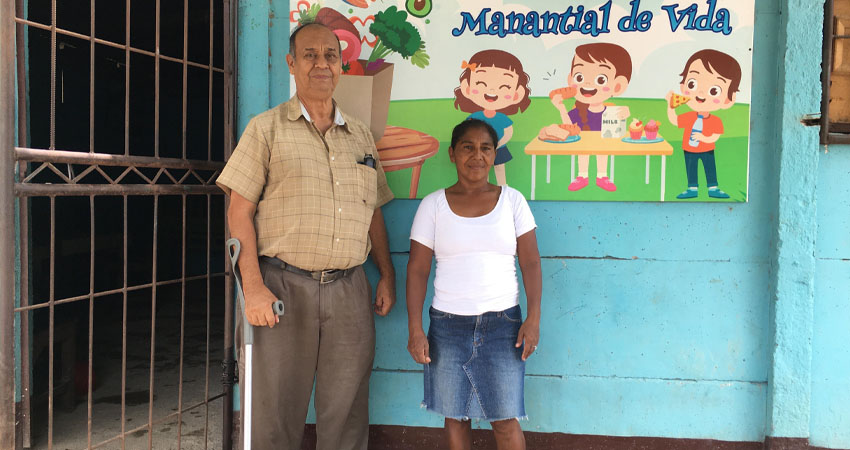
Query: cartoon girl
x=599 y=71
x=493 y=86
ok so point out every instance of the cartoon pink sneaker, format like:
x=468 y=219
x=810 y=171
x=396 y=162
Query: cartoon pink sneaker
x=606 y=184
x=578 y=184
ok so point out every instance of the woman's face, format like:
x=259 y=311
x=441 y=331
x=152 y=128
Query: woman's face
x=492 y=88
x=595 y=82
x=473 y=154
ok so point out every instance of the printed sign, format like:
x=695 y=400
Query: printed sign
x=618 y=100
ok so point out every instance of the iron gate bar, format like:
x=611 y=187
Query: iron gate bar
x=52 y=77
x=230 y=30
x=128 y=48
x=207 y=340
x=52 y=309
x=91 y=299
x=209 y=229
x=23 y=220
x=156 y=93
x=210 y=85
x=108 y=159
x=7 y=224
x=828 y=31
x=91 y=101
x=153 y=291
x=129 y=289
x=185 y=74
x=182 y=316
x=124 y=327
x=48 y=190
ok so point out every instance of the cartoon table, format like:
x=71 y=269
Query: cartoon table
x=401 y=148
x=592 y=143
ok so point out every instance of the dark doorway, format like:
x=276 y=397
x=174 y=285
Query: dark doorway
x=123 y=304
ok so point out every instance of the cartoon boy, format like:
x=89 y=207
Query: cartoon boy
x=709 y=83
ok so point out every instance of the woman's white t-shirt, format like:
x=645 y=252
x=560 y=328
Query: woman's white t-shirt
x=476 y=270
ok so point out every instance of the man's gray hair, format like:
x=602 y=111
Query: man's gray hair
x=305 y=25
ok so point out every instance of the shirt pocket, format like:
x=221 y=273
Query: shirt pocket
x=367 y=187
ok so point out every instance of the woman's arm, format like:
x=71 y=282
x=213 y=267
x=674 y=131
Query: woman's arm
x=532 y=278
x=418 y=269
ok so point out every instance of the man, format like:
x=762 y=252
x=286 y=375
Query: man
x=305 y=195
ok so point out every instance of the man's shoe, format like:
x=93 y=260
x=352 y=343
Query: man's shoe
x=578 y=184
x=714 y=192
x=689 y=193
x=606 y=184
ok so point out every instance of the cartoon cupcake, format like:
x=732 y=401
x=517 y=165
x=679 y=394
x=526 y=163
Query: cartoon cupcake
x=651 y=129
x=636 y=129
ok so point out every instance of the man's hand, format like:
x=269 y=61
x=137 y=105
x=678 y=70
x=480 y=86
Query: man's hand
x=258 y=306
x=384 y=296
x=530 y=333
x=417 y=346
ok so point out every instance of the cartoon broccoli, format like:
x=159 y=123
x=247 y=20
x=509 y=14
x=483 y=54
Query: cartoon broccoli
x=396 y=35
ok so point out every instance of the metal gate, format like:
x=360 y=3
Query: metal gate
x=116 y=326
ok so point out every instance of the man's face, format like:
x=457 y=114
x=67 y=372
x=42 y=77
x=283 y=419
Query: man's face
x=708 y=91
x=316 y=65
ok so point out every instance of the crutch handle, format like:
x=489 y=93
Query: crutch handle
x=233 y=249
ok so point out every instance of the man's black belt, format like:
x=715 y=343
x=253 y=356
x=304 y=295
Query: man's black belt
x=322 y=276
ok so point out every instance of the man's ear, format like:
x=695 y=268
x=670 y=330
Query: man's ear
x=451 y=154
x=290 y=62
x=621 y=83
x=464 y=87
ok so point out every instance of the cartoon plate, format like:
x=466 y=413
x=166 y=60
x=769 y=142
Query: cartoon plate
x=642 y=140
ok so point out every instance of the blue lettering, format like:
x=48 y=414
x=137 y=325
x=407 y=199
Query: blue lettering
x=703 y=22
x=675 y=21
x=532 y=22
x=471 y=24
x=628 y=23
x=564 y=27
x=497 y=25
x=550 y=22
x=716 y=20
x=721 y=23
x=606 y=14
x=515 y=22
x=589 y=25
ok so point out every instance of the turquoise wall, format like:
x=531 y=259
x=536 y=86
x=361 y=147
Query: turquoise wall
x=675 y=320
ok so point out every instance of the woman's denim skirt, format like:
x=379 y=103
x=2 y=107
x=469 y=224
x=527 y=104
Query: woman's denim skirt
x=476 y=371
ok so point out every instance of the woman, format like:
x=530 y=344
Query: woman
x=477 y=344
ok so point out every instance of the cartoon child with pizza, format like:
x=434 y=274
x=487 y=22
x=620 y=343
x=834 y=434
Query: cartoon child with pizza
x=709 y=83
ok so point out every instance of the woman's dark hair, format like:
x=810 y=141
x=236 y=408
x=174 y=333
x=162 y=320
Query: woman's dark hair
x=471 y=124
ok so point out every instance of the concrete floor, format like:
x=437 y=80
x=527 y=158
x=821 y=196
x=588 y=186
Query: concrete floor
x=199 y=428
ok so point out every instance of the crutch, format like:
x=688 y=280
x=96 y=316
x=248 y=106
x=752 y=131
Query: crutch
x=233 y=248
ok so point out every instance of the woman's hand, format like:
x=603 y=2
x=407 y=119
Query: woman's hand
x=529 y=333
x=417 y=346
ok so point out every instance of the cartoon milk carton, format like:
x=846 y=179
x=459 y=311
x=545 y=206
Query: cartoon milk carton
x=612 y=125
